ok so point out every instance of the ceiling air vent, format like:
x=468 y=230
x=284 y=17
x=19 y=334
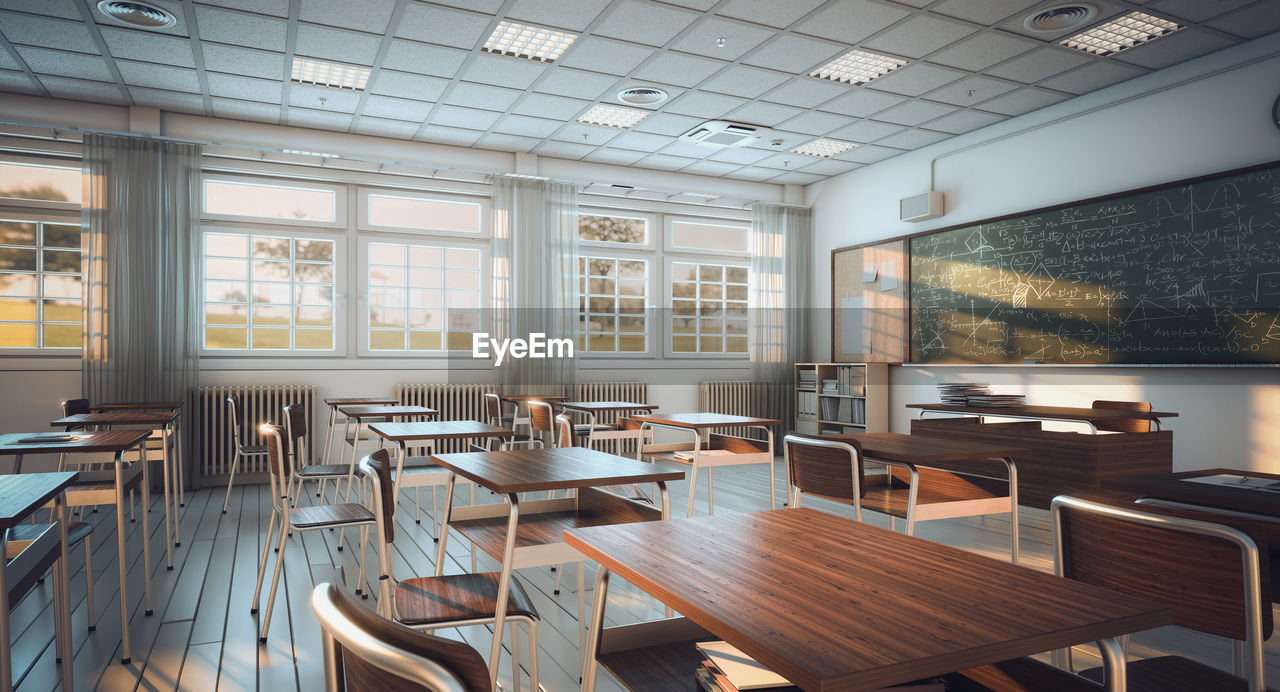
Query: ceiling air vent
x=642 y=96
x=135 y=13
x=722 y=133
x=1060 y=18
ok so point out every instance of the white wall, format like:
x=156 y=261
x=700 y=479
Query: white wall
x=1204 y=116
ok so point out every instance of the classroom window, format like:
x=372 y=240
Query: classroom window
x=696 y=235
x=708 y=308
x=613 y=229
x=420 y=213
x=245 y=199
x=30 y=181
x=422 y=297
x=614 y=295
x=40 y=284
x=264 y=292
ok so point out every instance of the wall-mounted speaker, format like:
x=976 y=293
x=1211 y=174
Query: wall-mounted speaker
x=929 y=205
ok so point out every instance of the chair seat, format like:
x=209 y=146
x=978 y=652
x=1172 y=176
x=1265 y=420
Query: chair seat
x=329 y=515
x=76 y=531
x=415 y=465
x=1020 y=675
x=1174 y=674
x=457 y=597
x=324 y=471
x=249 y=450
x=890 y=496
x=582 y=429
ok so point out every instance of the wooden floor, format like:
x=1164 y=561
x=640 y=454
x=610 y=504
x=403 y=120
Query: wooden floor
x=202 y=636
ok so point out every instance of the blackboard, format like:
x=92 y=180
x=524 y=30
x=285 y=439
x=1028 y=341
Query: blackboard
x=1185 y=273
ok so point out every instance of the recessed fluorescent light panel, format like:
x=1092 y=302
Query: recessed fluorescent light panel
x=857 y=67
x=1123 y=33
x=528 y=42
x=617 y=117
x=329 y=74
x=823 y=148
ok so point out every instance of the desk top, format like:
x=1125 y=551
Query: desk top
x=101 y=441
x=699 y=421
x=1176 y=488
x=23 y=493
x=598 y=406
x=1086 y=415
x=137 y=406
x=530 y=397
x=133 y=417
x=336 y=401
x=384 y=411
x=924 y=450
x=556 y=468
x=833 y=604
x=438 y=430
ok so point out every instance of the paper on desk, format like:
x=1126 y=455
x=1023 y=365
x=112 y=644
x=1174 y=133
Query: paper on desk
x=1234 y=481
x=889 y=275
x=853 y=337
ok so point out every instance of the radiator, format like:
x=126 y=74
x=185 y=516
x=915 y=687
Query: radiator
x=258 y=404
x=744 y=398
x=453 y=401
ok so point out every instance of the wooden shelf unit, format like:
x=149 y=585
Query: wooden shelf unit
x=864 y=386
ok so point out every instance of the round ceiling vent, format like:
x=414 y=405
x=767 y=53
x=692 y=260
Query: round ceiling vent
x=642 y=96
x=1060 y=18
x=135 y=13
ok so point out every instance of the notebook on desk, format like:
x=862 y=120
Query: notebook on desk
x=688 y=456
x=1235 y=481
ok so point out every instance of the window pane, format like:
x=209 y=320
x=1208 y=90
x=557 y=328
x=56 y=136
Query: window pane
x=703 y=236
x=603 y=304
x=462 y=259
x=613 y=229
x=425 y=340
x=703 y=325
x=226 y=245
x=440 y=287
x=18 y=335
x=311 y=272
x=314 y=317
x=17 y=285
x=61 y=235
x=222 y=337
x=62 y=336
x=17 y=233
x=62 y=286
x=31 y=181
x=18 y=310
x=423 y=214
x=269 y=315
x=269 y=201
x=17 y=258
x=226 y=292
x=382 y=340
x=271 y=248
x=271 y=338
x=62 y=311
x=225 y=314
x=234 y=270
x=386 y=254
x=271 y=271
x=313 y=339
x=315 y=250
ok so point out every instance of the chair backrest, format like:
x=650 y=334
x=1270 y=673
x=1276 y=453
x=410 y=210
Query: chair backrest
x=1136 y=425
x=364 y=652
x=295 y=424
x=493 y=408
x=540 y=417
x=564 y=426
x=377 y=468
x=73 y=407
x=278 y=462
x=824 y=468
x=233 y=412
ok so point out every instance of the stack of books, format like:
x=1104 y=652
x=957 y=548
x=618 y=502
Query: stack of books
x=830 y=387
x=726 y=669
x=959 y=393
x=998 y=400
x=809 y=379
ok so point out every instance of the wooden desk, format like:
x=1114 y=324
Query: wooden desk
x=362 y=414
x=94 y=486
x=532 y=533
x=1089 y=416
x=20 y=497
x=741 y=450
x=176 y=406
x=834 y=604
x=334 y=402
x=592 y=409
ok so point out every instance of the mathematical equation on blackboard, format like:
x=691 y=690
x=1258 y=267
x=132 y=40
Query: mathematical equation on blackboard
x=1186 y=274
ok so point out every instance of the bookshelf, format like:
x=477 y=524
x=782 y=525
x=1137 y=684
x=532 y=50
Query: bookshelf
x=841 y=397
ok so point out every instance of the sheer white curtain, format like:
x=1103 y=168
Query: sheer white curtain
x=141 y=289
x=535 y=253
x=781 y=258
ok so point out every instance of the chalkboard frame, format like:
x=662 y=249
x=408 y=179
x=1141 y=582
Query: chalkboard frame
x=907 y=238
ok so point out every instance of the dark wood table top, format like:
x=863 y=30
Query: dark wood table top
x=699 y=421
x=23 y=493
x=601 y=406
x=833 y=604
x=156 y=418
x=530 y=397
x=1176 y=488
x=1088 y=415
x=100 y=441
x=555 y=468
x=924 y=450
x=384 y=411
x=336 y=401
x=137 y=406
x=438 y=430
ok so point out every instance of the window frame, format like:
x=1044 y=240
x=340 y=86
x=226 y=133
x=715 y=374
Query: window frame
x=43 y=204
x=38 y=215
x=363 y=225
x=669 y=325
x=655 y=270
x=340 y=198
x=669 y=247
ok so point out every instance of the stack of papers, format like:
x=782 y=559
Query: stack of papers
x=958 y=393
x=998 y=400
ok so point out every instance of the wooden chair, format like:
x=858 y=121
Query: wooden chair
x=364 y=652
x=1124 y=425
x=495 y=415
x=540 y=425
x=1209 y=571
x=296 y=428
x=289 y=519
x=453 y=600
x=242 y=449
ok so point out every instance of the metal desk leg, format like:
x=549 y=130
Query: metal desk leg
x=172 y=457
x=1113 y=663
x=504 y=583
x=598 y=601
x=62 y=591
x=773 y=493
x=120 y=561
x=1014 y=533
x=169 y=538
x=6 y=653
x=693 y=473
x=179 y=459
x=444 y=521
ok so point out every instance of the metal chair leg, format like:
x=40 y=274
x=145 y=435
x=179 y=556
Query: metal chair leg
x=235 y=462
x=88 y=582
x=275 y=581
x=262 y=562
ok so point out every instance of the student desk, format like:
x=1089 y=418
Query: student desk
x=1088 y=416
x=175 y=406
x=592 y=409
x=336 y=402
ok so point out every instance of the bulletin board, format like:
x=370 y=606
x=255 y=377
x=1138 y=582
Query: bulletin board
x=869 y=307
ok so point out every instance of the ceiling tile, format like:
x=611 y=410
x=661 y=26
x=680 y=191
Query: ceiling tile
x=411 y=56
x=866 y=131
x=336 y=44
x=168 y=100
x=814 y=123
x=964 y=121
x=1197 y=10
x=490 y=6
x=381 y=127
x=242 y=61
x=453 y=116
x=148 y=47
x=1175 y=48
x=395 y=108
x=573 y=15
x=794 y=54
x=617 y=157
x=83 y=90
x=678 y=69
x=913 y=139
x=766 y=114
x=785 y=161
x=43 y=61
x=688 y=150
x=768 y=12
x=795 y=178
x=323 y=99
x=244 y=88
x=785 y=141
x=367 y=15
x=158 y=76
x=918 y=36
x=983 y=11
x=175 y=7
x=450 y=135
x=320 y=120
x=703 y=105
x=983 y=88
x=18 y=83
x=640 y=141
x=861 y=102
x=870 y=154
x=644 y=22
x=481 y=96
x=1039 y=64
x=526 y=126
x=983 y=50
x=7 y=61
x=851 y=21
x=241 y=29
x=739 y=38
x=1251 y=22
x=245 y=110
x=604 y=55
x=747 y=82
x=52 y=8
x=694 y=4
x=740 y=155
x=405 y=85
x=805 y=92
x=917 y=78
x=1093 y=76
x=563 y=81
x=663 y=162
x=500 y=70
x=667 y=124
x=564 y=150
x=553 y=107
x=586 y=134
x=715 y=168
x=914 y=112
x=831 y=167
x=1024 y=100
x=278 y=8
x=46 y=32
x=501 y=142
x=446 y=27
x=753 y=173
